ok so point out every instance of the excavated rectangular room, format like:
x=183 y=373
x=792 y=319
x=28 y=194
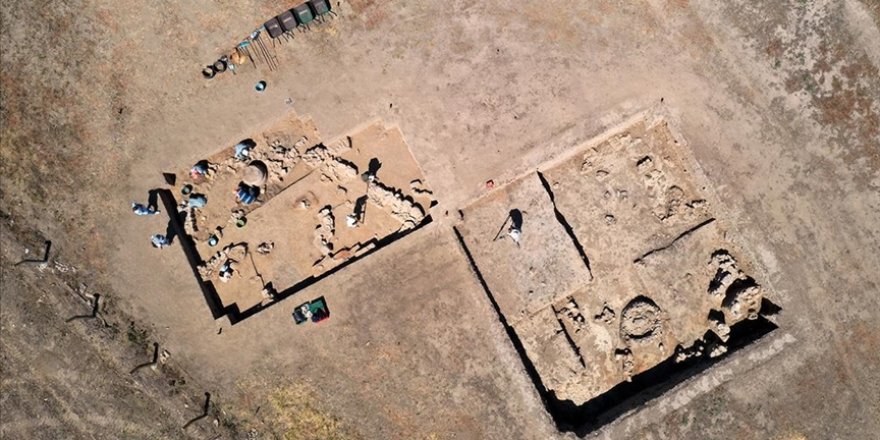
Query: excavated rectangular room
x=619 y=262
x=316 y=206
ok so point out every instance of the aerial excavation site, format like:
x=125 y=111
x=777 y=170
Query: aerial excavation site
x=663 y=284
x=363 y=219
x=304 y=191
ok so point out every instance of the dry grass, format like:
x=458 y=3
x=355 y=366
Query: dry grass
x=298 y=418
x=289 y=412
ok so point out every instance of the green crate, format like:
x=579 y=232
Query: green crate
x=303 y=14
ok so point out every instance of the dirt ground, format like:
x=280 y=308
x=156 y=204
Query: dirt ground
x=779 y=101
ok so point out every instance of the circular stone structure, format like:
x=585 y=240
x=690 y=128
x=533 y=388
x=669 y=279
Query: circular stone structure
x=255 y=173
x=640 y=320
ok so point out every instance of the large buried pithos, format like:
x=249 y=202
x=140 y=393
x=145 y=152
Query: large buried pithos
x=640 y=321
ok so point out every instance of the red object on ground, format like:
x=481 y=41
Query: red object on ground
x=490 y=184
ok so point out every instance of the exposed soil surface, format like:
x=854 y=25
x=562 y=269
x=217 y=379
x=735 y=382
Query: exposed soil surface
x=778 y=102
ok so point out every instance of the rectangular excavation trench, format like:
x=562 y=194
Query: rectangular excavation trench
x=315 y=208
x=644 y=387
x=232 y=311
x=678 y=249
x=586 y=418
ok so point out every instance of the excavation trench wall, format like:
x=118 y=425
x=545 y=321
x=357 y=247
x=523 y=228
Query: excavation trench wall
x=232 y=312
x=588 y=417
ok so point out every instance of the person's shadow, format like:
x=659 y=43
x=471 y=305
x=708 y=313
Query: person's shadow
x=360 y=208
x=153 y=199
x=204 y=414
x=374 y=166
x=516 y=219
x=152 y=362
x=94 y=313
x=170 y=231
